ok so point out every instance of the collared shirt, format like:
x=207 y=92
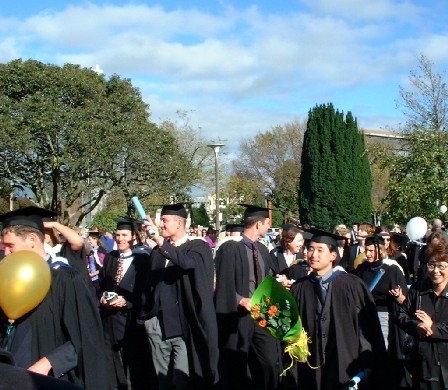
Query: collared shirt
x=127 y=260
x=180 y=241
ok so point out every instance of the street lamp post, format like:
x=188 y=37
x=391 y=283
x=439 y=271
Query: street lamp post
x=216 y=147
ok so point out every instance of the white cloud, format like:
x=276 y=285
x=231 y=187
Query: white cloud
x=366 y=9
x=240 y=70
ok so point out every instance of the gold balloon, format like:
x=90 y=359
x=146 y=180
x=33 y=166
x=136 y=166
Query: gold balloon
x=25 y=279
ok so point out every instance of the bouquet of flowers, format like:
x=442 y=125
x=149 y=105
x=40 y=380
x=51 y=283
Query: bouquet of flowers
x=275 y=309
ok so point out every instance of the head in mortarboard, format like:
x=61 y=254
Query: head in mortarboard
x=23 y=229
x=127 y=234
x=322 y=250
x=235 y=229
x=173 y=218
x=375 y=248
x=256 y=219
x=194 y=230
x=93 y=238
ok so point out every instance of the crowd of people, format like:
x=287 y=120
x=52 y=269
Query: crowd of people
x=168 y=306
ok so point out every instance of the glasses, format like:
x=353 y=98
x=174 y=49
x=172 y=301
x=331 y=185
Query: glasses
x=441 y=267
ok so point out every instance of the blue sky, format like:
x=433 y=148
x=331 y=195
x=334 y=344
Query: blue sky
x=240 y=66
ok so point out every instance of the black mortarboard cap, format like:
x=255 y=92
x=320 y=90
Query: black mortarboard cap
x=234 y=227
x=287 y=226
x=131 y=224
x=94 y=233
x=254 y=211
x=307 y=236
x=375 y=239
x=174 y=209
x=324 y=237
x=31 y=216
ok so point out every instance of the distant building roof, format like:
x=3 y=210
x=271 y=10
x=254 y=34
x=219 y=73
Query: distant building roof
x=381 y=134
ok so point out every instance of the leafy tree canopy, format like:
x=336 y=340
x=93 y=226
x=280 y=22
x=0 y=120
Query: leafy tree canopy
x=271 y=163
x=71 y=136
x=335 y=183
x=418 y=182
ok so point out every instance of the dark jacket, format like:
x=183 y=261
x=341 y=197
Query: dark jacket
x=432 y=352
x=345 y=333
x=188 y=275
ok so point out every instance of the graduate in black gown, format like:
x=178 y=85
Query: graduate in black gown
x=124 y=273
x=179 y=314
x=250 y=357
x=62 y=337
x=338 y=313
x=389 y=293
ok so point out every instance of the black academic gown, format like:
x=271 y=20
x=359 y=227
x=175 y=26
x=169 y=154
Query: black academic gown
x=232 y=277
x=296 y=270
x=125 y=338
x=194 y=290
x=393 y=276
x=345 y=334
x=278 y=259
x=65 y=328
x=235 y=325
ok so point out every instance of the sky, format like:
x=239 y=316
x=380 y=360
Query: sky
x=239 y=67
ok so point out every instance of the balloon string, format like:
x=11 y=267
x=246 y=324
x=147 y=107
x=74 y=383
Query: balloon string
x=9 y=331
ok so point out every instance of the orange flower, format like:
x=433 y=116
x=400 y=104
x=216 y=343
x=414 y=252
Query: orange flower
x=256 y=307
x=256 y=314
x=272 y=311
x=267 y=300
x=263 y=323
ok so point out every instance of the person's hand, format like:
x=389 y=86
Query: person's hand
x=287 y=283
x=42 y=366
x=115 y=304
x=425 y=318
x=50 y=224
x=118 y=303
x=150 y=225
x=424 y=330
x=245 y=302
x=397 y=293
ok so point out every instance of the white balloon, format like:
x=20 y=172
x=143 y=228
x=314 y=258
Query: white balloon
x=416 y=228
x=443 y=209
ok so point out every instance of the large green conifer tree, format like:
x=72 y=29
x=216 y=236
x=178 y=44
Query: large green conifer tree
x=335 y=181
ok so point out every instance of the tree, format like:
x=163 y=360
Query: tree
x=272 y=162
x=335 y=182
x=193 y=146
x=418 y=181
x=425 y=102
x=199 y=215
x=71 y=137
x=419 y=177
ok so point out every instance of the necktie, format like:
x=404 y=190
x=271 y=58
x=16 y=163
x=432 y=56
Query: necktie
x=320 y=289
x=257 y=268
x=119 y=274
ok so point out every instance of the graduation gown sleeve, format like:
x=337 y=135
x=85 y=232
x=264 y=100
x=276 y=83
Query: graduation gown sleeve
x=67 y=325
